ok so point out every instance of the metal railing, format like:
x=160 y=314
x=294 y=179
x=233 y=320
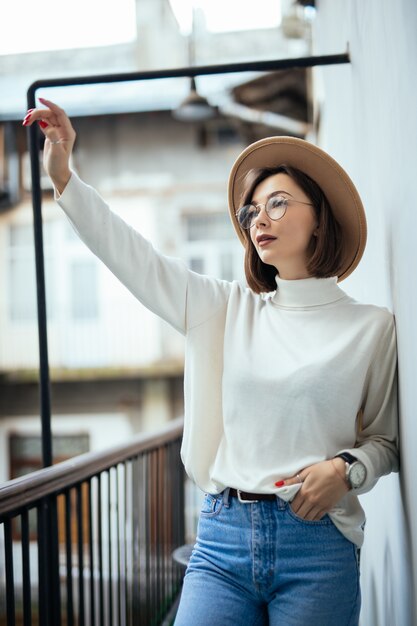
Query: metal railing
x=89 y=541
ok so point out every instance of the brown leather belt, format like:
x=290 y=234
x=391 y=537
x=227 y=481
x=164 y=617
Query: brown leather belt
x=245 y=496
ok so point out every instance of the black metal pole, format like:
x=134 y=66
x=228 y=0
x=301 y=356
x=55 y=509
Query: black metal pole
x=44 y=383
x=195 y=70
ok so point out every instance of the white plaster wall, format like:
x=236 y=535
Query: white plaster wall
x=369 y=124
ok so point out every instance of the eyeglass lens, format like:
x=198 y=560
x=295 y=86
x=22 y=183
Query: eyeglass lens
x=275 y=208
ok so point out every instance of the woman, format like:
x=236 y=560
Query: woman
x=290 y=384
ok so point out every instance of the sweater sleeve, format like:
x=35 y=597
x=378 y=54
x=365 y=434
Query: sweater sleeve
x=163 y=284
x=377 y=434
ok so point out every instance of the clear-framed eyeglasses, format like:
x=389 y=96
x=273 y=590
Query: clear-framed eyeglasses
x=275 y=207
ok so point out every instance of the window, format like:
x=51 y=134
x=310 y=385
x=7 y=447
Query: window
x=26 y=451
x=22 y=274
x=212 y=247
x=208 y=226
x=84 y=293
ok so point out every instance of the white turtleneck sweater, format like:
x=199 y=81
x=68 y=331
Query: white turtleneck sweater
x=272 y=383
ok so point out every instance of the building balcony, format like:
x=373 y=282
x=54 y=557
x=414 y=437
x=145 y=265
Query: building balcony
x=90 y=540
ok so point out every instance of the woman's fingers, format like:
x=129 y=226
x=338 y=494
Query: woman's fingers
x=54 y=107
x=53 y=115
x=53 y=122
x=292 y=480
x=35 y=114
x=60 y=115
x=305 y=509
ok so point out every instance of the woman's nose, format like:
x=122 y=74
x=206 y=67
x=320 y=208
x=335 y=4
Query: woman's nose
x=262 y=217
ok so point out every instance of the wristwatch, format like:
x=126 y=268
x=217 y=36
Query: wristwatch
x=355 y=470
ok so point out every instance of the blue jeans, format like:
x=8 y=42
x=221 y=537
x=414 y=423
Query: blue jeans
x=259 y=564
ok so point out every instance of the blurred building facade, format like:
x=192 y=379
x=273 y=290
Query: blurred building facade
x=116 y=368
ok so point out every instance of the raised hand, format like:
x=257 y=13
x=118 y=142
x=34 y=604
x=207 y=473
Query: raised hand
x=59 y=140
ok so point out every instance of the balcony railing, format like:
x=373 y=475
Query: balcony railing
x=89 y=542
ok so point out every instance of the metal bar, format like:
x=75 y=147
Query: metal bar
x=168 y=518
x=172 y=485
x=159 y=589
x=109 y=518
x=91 y=555
x=80 y=541
x=125 y=562
x=149 y=526
x=165 y=528
x=43 y=566
x=141 y=542
x=157 y=549
x=8 y=550
x=154 y=531
x=44 y=383
x=100 y=553
x=128 y=545
x=148 y=496
x=53 y=550
x=175 y=543
x=118 y=544
x=27 y=604
x=179 y=490
x=181 y=496
x=197 y=70
x=68 y=550
x=136 y=592
x=157 y=552
x=26 y=490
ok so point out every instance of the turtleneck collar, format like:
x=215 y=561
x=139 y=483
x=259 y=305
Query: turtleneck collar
x=306 y=292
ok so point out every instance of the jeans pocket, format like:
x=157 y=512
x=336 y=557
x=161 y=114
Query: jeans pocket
x=323 y=521
x=212 y=505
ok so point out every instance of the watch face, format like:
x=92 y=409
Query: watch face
x=357 y=474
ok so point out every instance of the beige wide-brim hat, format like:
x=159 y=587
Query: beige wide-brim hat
x=339 y=189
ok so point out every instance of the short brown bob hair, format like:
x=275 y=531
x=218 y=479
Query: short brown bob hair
x=325 y=259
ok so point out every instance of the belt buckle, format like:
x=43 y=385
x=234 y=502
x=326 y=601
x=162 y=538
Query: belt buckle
x=244 y=501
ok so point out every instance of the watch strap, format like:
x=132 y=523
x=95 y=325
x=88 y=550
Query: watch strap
x=346 y=456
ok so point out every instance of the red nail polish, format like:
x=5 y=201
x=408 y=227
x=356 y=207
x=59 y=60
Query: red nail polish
x=280 y=483
x=42 y=124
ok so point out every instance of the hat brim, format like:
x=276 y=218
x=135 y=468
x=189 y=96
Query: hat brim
x=339 y=189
